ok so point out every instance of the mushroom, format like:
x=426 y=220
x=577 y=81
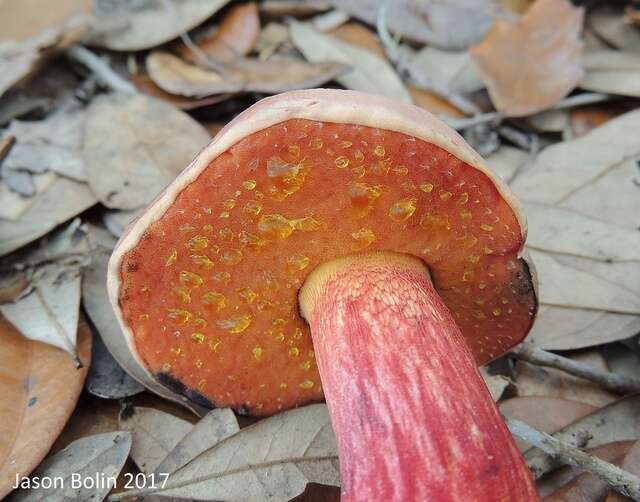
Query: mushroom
x=405 y=251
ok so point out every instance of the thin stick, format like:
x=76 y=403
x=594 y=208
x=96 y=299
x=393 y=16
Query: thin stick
x=614 y=382
x=105 y=74
x=620 y=480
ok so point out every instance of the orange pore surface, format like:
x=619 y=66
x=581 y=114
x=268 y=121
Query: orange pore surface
x=210 y=291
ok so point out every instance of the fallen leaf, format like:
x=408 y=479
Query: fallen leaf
x=621 y=360
x=568 y=232
x=591 y=180
x=496 y=384
x=562 y=476
x=550 y=120
x=23 y=19
x=236 y=36
x=608 y=22
x=100 y=457
x=144 y=84
x=129 y=164
x=106 y=378
x=546 y=414
x=565 y=328
x=507 y=161
x=272 y=37
x=430 y=22
x=369 y=74
x=530 y=65
x=117 y=221
x=618 y=421
x=449 y=70
x=298 y=8
x=52 y=144
x=271 y=460
x=96 y=302
x=612 y=72
x=584 y=119
x=589 y=487
x=43 y=212
x=243 y=75
x=433 y=103
x=48 y=308
x=360 y=36
x=329 y=20
x=214 y=427
x=20 y=60
x=39 y=387
x=154 y=435
x=149 y=23
x=532 y=380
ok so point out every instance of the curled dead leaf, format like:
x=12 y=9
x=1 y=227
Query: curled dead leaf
x=247 y=75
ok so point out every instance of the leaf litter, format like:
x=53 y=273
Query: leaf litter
x=88 y=152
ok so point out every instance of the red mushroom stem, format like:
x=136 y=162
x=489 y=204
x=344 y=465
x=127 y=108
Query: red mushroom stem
x=412 y=416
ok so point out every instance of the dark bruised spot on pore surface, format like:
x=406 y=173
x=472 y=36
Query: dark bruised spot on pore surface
x=522 y=280
x=132 y=267
x=178 y=387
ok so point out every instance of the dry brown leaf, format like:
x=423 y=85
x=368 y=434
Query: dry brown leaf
x=101 y=455
x=369 y=74
x=154 y=435
x=144 y=84
x=584 y=119
x=128 y=164
x=315 y=492
x=20 y=60
x=612 y=72
x=591 y=180
x=247 y=75
x=530 y=65
x=298 y=8
x=430 y=22
x=229 y=470
x=361 y=36
x=618 y=421
x=532 y=380
x=609 y=24
x=39 y=388
x=547 y=414
x=23 y=19
x=134 y=26
x=236 y=36
x=433 y=103
x=214 y=427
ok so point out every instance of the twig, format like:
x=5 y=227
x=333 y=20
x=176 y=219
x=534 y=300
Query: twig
x=620 y=480
x=586 y=98
x=105 y=74
x=614 y=382
x=6 y=144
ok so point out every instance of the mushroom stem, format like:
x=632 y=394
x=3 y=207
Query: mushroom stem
x=412 y=416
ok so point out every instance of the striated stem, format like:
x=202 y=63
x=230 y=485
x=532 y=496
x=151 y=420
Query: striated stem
x=413 y=418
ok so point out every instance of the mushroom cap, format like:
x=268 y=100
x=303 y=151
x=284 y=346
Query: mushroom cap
x=205 y=282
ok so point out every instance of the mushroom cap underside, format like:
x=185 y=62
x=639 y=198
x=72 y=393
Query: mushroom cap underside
x=205 y=283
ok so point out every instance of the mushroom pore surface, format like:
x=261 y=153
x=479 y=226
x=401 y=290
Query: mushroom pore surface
x=210 y=290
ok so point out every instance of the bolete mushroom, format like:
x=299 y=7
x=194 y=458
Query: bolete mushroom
x=406 y=252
